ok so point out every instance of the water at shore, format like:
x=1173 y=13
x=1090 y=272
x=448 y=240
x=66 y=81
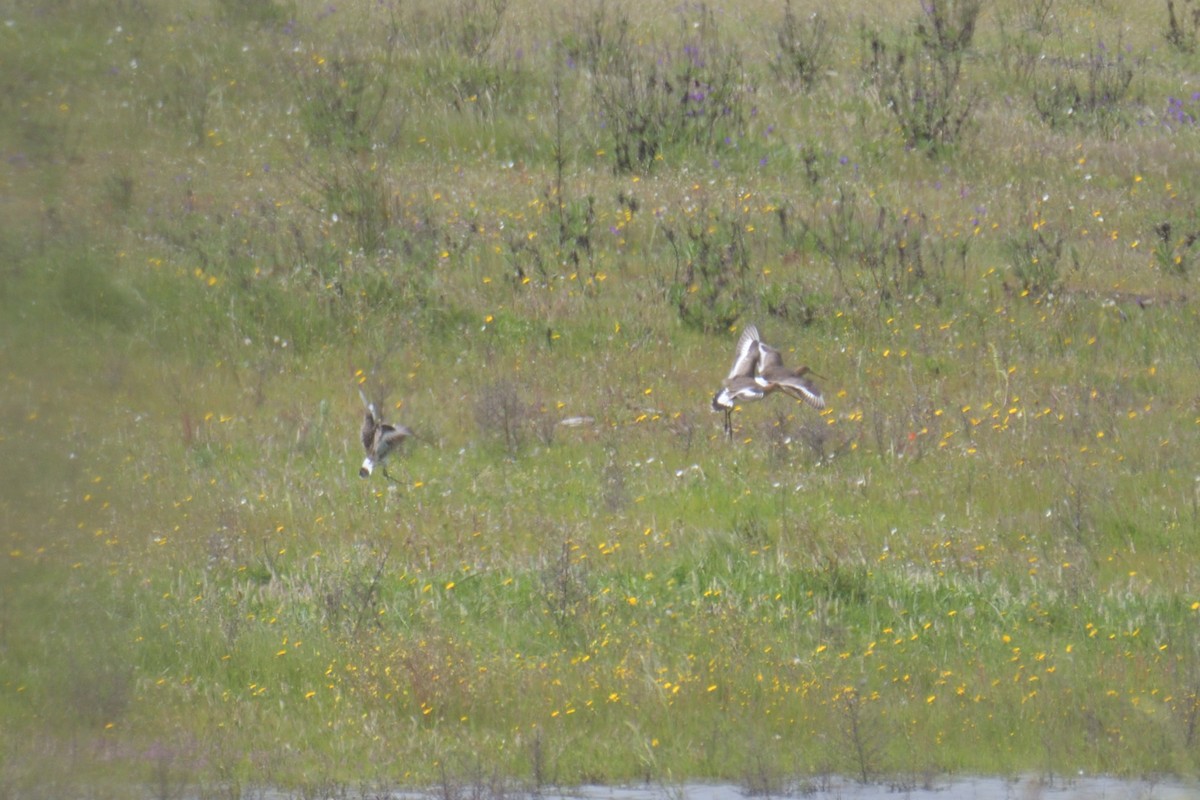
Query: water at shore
x=1030 y=788
x=833 y=788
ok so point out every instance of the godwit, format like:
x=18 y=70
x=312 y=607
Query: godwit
x=741 y=383
x=771 y=375
x=379 y=439
x=757 y=371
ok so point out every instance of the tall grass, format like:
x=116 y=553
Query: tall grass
x=540 y=242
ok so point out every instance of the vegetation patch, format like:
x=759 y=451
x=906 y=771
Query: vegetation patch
x=533 y=234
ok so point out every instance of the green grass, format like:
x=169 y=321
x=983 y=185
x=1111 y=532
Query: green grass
x=218 y=219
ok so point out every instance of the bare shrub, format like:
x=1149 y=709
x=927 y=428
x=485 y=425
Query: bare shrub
x=1036 y=258
x=712 y=264
x=919 y=77
x=1174 y=253
x=342 y=90
x=862 y=738
x=804 y=46
x=880 y=256
x=692 y=92
x=1088 y=91
x=564 y=588
x=500 y=412
x=1183 y=25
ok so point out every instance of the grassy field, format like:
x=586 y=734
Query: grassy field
x=219 y=219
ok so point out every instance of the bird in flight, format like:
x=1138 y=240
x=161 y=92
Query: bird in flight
x=758 y=370
x=379 y=439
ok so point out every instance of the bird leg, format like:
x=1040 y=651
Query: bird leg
x=405 y=476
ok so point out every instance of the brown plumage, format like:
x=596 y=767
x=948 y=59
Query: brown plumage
x=379 y=439
x=758 y=370
x=772 y=376
x=740 y=384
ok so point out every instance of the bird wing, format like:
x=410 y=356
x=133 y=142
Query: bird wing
x=392 y=434
x=802 y=389
x=371 y=423
x=768 y=357
x=368 y=430
x=747 y=354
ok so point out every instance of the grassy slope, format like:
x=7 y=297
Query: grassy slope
x=980 y=558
